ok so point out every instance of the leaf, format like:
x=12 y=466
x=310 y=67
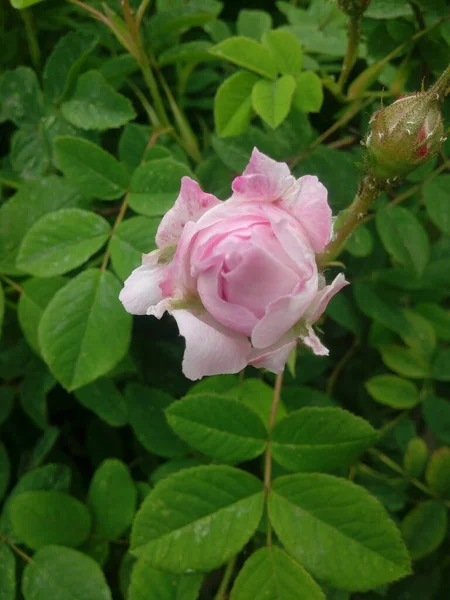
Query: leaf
x=186 y=53
x=388 y=9
x=272 y=99
x=221 y=428
x=393 y=391
x=375 y=307
x=343 y=310
x=95 y=172
x=7 y=573
x=104 y=399
x=320 y=439
x=437 y=202
x=149 y=584
x=233 y=104
x=20 y=97
x=146 y=412
x=75 y=334
x=198 y=505
x=29 y=152
x=258 y=396
x=130 y=240
x=37 y=383
x=422 y=337
x=2 y=308
x=416 y=457
x=155 y=186
x=112 y=499
x=403 y=237
x=7 y=395
x=24 y=3
x=438 y=472
x=36 y=294
x=440 y=369
x=235 y=152
x=253 y=23
x=96 y=105
x=65 y=62
x=278 y=575
x=247 y=53
x=424 y=528
x=436 y=412
x=337 y=531
x=308 y=95
x=5 y=470
x=405 y=361
x=286 y=50
x=41 y=518
x=61 y=241
x=183 y=17
x=133 y=144
x=57 y=572
x=43 y=447
x=438 y=317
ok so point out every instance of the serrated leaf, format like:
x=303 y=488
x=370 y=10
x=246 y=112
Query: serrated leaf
x=308 y=95
x=286 y=50
x=75 y=334
x=337 y=531
x=7 y=573
x=424 y=528
x=56 y=572
x=130 y=240
x=393 y=391
x=104 y=399
x=112 y=499
x=221 y=428
x=92 y=170
x=20 y=97
x=437 y=202
x=61 y=241
x=247 y=53
x=198 y=505
x=41 y=518
x=96 y=105
x=155 y=186
x=272 y=99
x=233 y=104
x=150 y=584
x=278 y=575
x=320 y=439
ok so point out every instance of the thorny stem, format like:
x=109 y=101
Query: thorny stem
x=117 y=222
x=268 y=457
x=221 y=592
x=354 y=27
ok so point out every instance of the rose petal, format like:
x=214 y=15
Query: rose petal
x=274 y=358
x=142 y=288
x=210 y=351
x=312 y=341
x=190 y=205
x=322 y=298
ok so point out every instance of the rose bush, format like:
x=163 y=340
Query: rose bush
x=240 y=276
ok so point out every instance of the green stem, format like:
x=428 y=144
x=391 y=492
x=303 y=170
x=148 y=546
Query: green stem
x=33 y=44
x=16 y=549
x=12 y=283
x=117 y=222
x=351 y=56
x=221 y=592
x=150 y=80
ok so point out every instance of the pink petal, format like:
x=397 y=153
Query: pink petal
x=274 y=358
x=312 y=341
x=142 y=288
x=190 y=205
x=322 y=298
x=210 y=351
x=264 y=179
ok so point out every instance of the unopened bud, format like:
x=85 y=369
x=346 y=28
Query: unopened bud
x=353 y=8
x=404 y=135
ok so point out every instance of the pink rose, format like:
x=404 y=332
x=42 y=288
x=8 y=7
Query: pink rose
x=240 y=276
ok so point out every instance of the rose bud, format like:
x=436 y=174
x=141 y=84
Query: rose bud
x=240 y=276
x=404 y=135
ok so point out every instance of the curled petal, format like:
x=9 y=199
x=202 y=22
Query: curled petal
x=210 y=350
x=312 y=341
x=142 y=289
x=191 y=204
x=322 y=298
x=274 y=358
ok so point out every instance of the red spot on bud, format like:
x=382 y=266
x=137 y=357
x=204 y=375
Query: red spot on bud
x=423 y=150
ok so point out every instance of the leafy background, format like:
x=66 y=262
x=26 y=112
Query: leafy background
x=90 y=419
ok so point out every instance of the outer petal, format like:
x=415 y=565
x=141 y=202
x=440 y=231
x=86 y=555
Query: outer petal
x=322 y=298
x=274 y=358
x=142 y=288
x=264 y=179
x=190 y=205
x=310 y=207
x=210 y=351
x=312 y=341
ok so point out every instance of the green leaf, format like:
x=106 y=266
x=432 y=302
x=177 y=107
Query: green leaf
x=258 y=396
x=112 y=499
x=338 y=531
x=96 y=105
x=173 y=466
x=149 y=584
x=104 y=399
x=188 y=52
x=130 y=240
x=375 y=307
x=320 y=439
x=286 y=50
x=36 y=294
x=65 y=62
x=438 y=472
x=272 y=99
x=146 y=408
x=97 y=549
x=43 y=447
x=5 y=470
x=235 y=152
x=277 y=575
x=29 y=152
x=233 y=104
x=7 y=573
x=436 y=412
x=58 y=573
x=343 y=310
x=181 y=523
x=308 y=95
x=95 y=172
x=405 y=361
x=247 y=53
x=24 y=3
x=41 y=518
x=393 y=391
x=221 y=428
x=61 y=241
x=34 y=200
x=437 y=202
x=438 y=317
x=217 y=384
x=416 y=456
x=155 y=186
x=75 y=334
x=133 y=144
x=421 y=337
x=20 y=97
x=2 y=308
x=424 y=528
x=37 y=383
x=7 y=395
x=440 y=369
x=388 y=9
x=183 y=17
x=253 y=23
x=403 y=237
